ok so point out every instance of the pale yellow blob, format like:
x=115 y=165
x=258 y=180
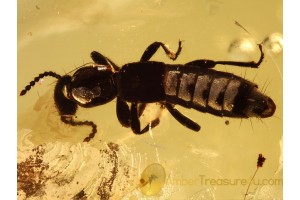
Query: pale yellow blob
x=152 y=179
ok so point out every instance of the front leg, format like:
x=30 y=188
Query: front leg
x=123 y=112
x=152 y=48
x=102 y=60
x=135 y=122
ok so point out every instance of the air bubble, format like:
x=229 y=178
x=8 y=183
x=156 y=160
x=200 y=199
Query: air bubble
x=242 y=49
x=152 y=179
x=274 y=43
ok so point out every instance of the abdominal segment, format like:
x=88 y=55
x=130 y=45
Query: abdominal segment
x=207 y=90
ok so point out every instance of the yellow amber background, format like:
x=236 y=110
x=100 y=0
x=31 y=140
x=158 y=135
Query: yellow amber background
x=211 y=164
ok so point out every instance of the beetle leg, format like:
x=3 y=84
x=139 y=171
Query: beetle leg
x=185 y=121
x=211 y=63
x=127 y=118
x=69 y=120
x=153 y=123
x=152 y=48
x=135 y=122
x=123 y=112
x=202 y=63
x=141 y=107
x=102 y=60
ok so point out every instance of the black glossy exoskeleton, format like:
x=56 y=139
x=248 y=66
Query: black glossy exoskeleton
x=191 y=85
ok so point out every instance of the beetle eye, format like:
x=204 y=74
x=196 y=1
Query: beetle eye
x=96 y=91
x=84 y=95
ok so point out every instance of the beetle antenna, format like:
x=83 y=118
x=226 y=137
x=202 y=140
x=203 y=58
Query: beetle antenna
x=89 y=63
x=83 y=65
x=36 y=79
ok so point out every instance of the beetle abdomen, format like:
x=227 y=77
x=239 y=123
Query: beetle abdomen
x=207 y=90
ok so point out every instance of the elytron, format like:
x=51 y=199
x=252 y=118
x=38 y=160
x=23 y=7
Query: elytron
x=192 y=85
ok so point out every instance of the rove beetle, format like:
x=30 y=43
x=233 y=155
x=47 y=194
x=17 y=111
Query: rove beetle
x=192 y=85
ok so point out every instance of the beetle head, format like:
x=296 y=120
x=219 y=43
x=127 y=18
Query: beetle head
x=92 y=86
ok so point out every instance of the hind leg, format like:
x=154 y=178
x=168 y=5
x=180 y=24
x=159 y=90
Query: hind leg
x=211 y=63
x=185 y=121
